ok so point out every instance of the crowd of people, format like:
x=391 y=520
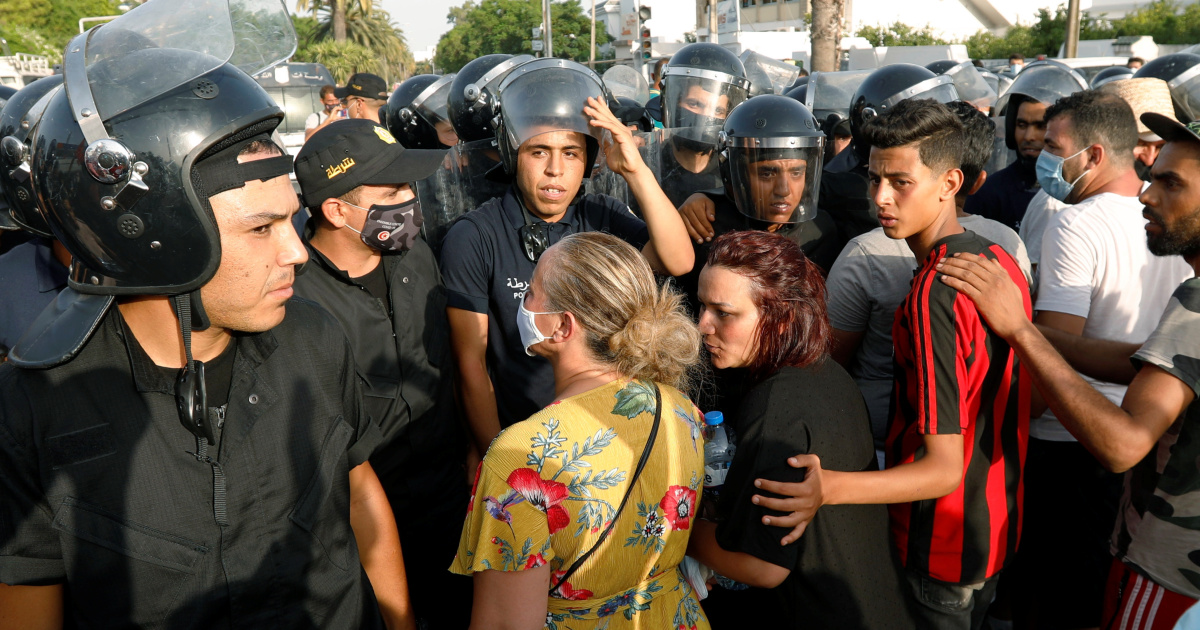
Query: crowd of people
x=453 y=364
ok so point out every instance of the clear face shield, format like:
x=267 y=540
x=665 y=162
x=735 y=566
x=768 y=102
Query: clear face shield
x=1044 y=82
x=700 y=100
x=1185 y=90
x=832 y=92
x=548 y=95
x=775 y=75
x=431 y=103
x=972 y=87
x=775 y=179
x=624 y=81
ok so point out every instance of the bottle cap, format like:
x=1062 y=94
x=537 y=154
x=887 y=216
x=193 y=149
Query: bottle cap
x=713 y=418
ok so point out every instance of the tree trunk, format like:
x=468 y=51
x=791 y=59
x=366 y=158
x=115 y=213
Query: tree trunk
x=826 y=34
x=339 y=21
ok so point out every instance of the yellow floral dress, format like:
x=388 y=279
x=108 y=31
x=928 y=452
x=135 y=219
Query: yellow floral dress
x=549 y=485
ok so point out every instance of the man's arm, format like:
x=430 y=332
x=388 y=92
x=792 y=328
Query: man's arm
x=379 y=547
x=31 y=607
x=698 y=212
x=333 y=116
x=669 y=250
x=743 y=567
x=511 y=600
x=1101 y=359
x=468 y=340
x=845 y=345
x=1119 y=437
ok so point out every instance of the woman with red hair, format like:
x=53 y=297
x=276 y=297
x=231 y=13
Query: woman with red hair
x=763 y=313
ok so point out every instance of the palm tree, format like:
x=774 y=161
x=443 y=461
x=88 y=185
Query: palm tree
x=376 y=32
x=337 y=10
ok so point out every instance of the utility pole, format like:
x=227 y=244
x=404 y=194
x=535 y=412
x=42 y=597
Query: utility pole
x=712 y=21
x=592 y=50
x=1072 y=43
x=546 y=31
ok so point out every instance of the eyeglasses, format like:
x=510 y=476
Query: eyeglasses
x=535 y=240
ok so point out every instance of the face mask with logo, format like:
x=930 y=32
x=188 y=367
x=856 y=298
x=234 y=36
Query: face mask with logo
x=390 y=228
x=530 y=335
x=1050 y=175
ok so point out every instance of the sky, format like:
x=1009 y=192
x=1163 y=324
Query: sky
x=423 y=21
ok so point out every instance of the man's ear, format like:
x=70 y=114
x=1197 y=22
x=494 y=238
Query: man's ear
x=978 y=183
x=951 y=182
x=334 y=212
x=1095 y=155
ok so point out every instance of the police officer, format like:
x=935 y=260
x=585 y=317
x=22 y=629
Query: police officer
x=844 y=184
x=1005 y=196
x=552 y=113
x=1181 y=71
x=182 y=446
x=369 y=267
x=700 y=86
x=771 y=152
x=33 y=272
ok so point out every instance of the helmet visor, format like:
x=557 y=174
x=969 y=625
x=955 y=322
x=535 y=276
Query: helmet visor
x=1045 y=83
x=624 y=81
x=832 y=92
x=972 y=87
x=151 y=50
x=776 y=74
x=548 y=95
x=431 y=103
x=939 y=88
x=700 y=99
x=1185 y=89
x=776 y=179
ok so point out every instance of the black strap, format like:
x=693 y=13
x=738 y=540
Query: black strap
x=628 y=491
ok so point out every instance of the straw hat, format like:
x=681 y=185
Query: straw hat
x=1144 y=96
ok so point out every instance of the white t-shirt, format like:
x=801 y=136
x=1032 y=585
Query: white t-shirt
x=1095 y=264
x=1038 y=213
x=866 y=285
x=315 y=119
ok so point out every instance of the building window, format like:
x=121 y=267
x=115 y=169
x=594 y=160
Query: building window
x=748 y=3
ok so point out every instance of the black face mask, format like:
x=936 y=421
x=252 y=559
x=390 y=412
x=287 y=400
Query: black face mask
x=1143 y=171
x=696 y=132
x=391 y=228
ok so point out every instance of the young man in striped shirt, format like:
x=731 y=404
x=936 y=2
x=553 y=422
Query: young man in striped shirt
x=960 y=406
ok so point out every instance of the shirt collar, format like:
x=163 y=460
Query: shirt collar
x=511 y=209
x=315 y=257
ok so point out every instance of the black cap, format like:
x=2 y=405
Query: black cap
x=1170 y=129
x=351 y=153
x=364 y=84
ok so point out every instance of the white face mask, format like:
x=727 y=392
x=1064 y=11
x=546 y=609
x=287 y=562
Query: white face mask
x=530 y=335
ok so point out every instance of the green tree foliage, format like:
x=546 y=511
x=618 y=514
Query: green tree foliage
x=375 y=32
x=503 y=26
x=1049 y=31
x=44 y=28
x=900 y=34
x=1165 y=20
x=985 y=45
x=344 y=58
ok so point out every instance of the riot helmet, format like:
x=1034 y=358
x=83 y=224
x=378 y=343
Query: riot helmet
x=625 y=82
x=1043 y=81
x=148 y=96
x=700 y=86
x=415 y=109
x=771 y=152
x=541 y=96
x=473 y=92
x=889 y=85
x=630 y=112
x=6 y=93
x=18 y=119
x=829 y=94
x=1181 y=71
x=767 y=75
x=1108 y=75
x=798 y=93
x=971 y=86
x=941 y=66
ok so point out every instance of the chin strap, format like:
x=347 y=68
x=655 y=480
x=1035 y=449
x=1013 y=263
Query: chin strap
x=191 y=400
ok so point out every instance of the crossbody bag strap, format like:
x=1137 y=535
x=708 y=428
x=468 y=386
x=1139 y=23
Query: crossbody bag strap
x=628 y=491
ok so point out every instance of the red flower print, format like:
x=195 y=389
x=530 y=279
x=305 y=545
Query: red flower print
x=474 y=487
x=535 y=560
x=678 y=506
x=566 y=591
x=544 y=495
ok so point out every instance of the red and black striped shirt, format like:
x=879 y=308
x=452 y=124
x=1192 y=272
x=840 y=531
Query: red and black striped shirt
x=954 y=375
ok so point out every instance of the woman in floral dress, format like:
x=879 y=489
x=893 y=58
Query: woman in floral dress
x=550 y=486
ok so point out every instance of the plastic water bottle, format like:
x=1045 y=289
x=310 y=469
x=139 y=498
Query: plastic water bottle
x=718 y=453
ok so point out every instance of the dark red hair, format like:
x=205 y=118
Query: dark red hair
x=793 y=326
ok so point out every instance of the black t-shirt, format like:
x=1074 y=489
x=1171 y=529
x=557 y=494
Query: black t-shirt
x=678 y=183
x=375 y=282
x=843 y=195
x=844 y=574
x=1005 y=195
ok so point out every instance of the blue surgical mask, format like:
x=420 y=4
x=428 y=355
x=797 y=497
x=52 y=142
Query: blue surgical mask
x=530 y=335
x=1049 y=171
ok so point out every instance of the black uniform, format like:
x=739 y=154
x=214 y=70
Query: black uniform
x=409 y=393
x=1005 y=196
x=100 y=489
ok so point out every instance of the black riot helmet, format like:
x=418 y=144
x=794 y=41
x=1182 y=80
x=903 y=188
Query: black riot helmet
x=941 y=66
x=1181 y=71
x=798 y=93
x=18 y=119
x=6 y=93
x=1043 y=81
x=771 y=151
x=1108 y=75
x=541 y=96
x=414 y=110
x=146 y=97
x=630 y=112
x=700 y=86
x=889 y=85
x=473 y=93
